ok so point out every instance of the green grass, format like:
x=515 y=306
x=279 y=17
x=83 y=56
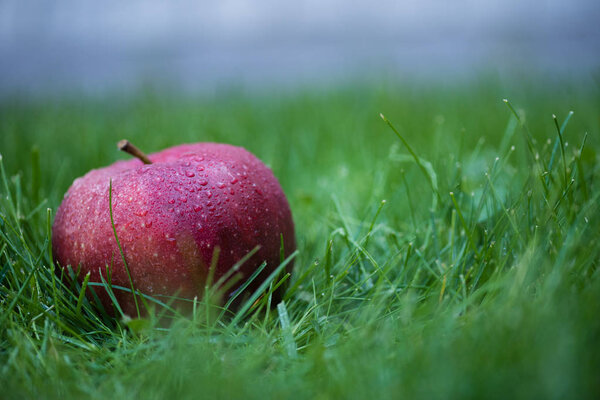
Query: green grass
x=478 y=277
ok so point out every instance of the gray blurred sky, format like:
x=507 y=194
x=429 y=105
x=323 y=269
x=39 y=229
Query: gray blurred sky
x=49 y=47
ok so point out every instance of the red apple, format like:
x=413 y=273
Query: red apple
x=170 y=216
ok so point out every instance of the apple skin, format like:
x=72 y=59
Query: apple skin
x=169 y=217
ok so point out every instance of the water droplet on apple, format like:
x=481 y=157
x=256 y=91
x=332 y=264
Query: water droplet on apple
x=234 y=181
x=200 y=168
x=141 y=213
x=183 y=199
x=171 y=209
x=190 y=174
x=209 y=194
x=221 y=185
x=203 y=182
x=171 y=201
x=148 y=224
x=197 y=208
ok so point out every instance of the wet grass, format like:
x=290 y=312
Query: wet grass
x=448 y=250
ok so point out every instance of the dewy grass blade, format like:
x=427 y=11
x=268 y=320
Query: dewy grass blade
x=288 y=337
x=84 y=285
x=368 y=235
x=562 y=150
x=468 y=231
x=557 y=142
x=412 y=153
x=236 y=267
x=535 y=159
x=108 y=287
x=300 y=280
x=327 y=262
x=242 y=311
x=112 y=223
x=245 y=285
x=104 y=284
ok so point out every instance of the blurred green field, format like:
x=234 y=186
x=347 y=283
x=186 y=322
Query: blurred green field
x=478 y=277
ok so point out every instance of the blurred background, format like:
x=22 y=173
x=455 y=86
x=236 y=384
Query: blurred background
x=202 y=47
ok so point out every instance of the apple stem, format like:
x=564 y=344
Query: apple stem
x=127 y=147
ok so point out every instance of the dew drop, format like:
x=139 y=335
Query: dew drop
x=197 y=208
x=209 y=194
x=203 y=182
x=183 y=199
x=221 y=185
x=171 y=201
x=141 y=213
x=234 y=181
x=200 y=168
x=190 y=174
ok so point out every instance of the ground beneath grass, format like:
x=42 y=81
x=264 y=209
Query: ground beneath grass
x=448 y=250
